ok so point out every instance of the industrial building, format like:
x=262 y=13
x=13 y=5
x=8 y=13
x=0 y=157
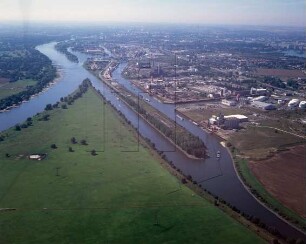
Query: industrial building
x=231 y=123
x=263 y=105
x=260 y=98
x=240 y=117
x=228 y=122
x=228 y=102
x=259 y=92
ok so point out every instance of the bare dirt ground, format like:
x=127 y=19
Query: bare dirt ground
x=4 y=80
x=284 y=177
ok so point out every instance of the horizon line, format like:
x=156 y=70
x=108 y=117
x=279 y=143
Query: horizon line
x=105 y=22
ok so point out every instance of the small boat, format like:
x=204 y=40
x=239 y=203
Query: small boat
x=148 y=100
x=181 y=118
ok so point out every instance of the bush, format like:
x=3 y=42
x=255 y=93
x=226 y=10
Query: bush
x=184 y=181
x=48 y=107
x=84 y=142
x=53 y=146
x=73 y=140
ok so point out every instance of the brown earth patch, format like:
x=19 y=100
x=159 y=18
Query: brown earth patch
x=284 y=177
x=4 y=80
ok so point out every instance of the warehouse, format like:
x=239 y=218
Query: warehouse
x=263 y=105
x=240 y=117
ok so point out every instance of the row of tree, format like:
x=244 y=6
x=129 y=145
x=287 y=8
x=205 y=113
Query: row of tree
x=190 y=143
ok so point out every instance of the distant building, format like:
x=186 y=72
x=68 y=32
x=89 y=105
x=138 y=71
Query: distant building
x=240 y=117
x=229 y=102
x=263 y=105
x=144 y=65
x=154 y=86
x=259 y=92
x=37 y=156
x=231 y=123
x=228 y=122
x=260 y=98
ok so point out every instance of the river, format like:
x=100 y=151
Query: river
x=216 y=175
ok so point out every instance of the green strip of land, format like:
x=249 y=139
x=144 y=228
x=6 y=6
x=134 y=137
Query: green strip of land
x=10 y=88
x=112 y=197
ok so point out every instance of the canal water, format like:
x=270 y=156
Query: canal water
x=216 y=175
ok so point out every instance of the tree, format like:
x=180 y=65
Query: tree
x=70 y=149
x=46 y=117
x=17 y=128
x=184 y=181
x=53 y=146
x=64 y=106
x=84 y=142
x=24 y=126
x=7 y=155
x=93 y=152
x=48 y=107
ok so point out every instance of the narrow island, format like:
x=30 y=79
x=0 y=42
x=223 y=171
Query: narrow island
x=62 y=47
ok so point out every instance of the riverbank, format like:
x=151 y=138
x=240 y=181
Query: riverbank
x=59 y=76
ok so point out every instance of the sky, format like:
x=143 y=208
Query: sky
x=236 y=12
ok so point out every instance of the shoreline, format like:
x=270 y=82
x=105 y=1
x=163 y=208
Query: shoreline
x=59 y=76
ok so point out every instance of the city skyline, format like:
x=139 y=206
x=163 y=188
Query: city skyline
x=260 y=12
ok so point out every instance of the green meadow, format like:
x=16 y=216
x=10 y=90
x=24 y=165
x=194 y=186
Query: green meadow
x=11 y=88
x=121 y=194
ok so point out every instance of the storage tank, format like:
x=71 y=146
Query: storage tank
x=302 y=105
x=293 y=103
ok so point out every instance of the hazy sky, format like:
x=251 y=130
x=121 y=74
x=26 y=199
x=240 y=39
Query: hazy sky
x=253 y=12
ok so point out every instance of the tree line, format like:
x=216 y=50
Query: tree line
x=62 y=47
x=190 y=143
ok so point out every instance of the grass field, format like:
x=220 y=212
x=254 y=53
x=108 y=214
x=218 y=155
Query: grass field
x=11 y=88
x=113 y=197
x=260 y=142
